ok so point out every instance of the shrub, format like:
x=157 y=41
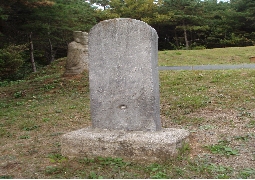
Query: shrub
x=11 y=59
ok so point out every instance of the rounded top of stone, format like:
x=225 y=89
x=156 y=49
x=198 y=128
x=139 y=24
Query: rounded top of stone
x=120 y=21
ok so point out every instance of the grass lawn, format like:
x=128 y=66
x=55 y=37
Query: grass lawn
x=234 y=55
x=217 y=107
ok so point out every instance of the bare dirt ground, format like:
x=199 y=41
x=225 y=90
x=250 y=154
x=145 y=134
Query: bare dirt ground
x=223 y=125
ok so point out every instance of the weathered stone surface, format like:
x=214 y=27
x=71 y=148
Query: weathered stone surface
x=123 y=76
x=77 y=56
x=129 y=145
x=81 y=37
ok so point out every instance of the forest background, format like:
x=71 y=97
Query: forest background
x=35 y=32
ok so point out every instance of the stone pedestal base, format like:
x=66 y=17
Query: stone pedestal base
x=131 y=146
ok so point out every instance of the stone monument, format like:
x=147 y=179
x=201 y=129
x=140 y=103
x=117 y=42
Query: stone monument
x=77 y=56
x=124 y=97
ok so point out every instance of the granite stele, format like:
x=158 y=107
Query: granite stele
x=124 y=97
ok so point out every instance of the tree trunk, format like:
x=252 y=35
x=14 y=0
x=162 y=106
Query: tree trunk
x=51 y=54
x=185 y=36
x=32 y=52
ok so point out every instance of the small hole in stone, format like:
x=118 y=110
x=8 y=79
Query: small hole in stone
x=123 y=106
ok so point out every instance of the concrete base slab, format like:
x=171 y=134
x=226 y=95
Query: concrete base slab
x=129 y=145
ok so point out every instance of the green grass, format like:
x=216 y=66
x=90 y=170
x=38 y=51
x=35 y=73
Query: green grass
x=222 y=148
x=35 y=112
x=236 y=55
x=188 y=91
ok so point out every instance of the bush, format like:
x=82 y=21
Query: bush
x=11 y=59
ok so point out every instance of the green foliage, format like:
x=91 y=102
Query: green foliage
x=185 y=149
x=236 y=40
x=93 y=175
x=251 y=124
x=52 y=170
x=19 y=94
x=221 y=172
x=28 y=125
x=56 y=158
x=24 y=137
x=6 y=177
x=109 y=161
x=136 y=9
x=246 y=173
x=3 y=132
x=86 y=160
x=3 y=16
x=222 y=148
x=80 y=16
x=11 y=59
x=51 y=23
x=156 y=171
x=243 y=138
